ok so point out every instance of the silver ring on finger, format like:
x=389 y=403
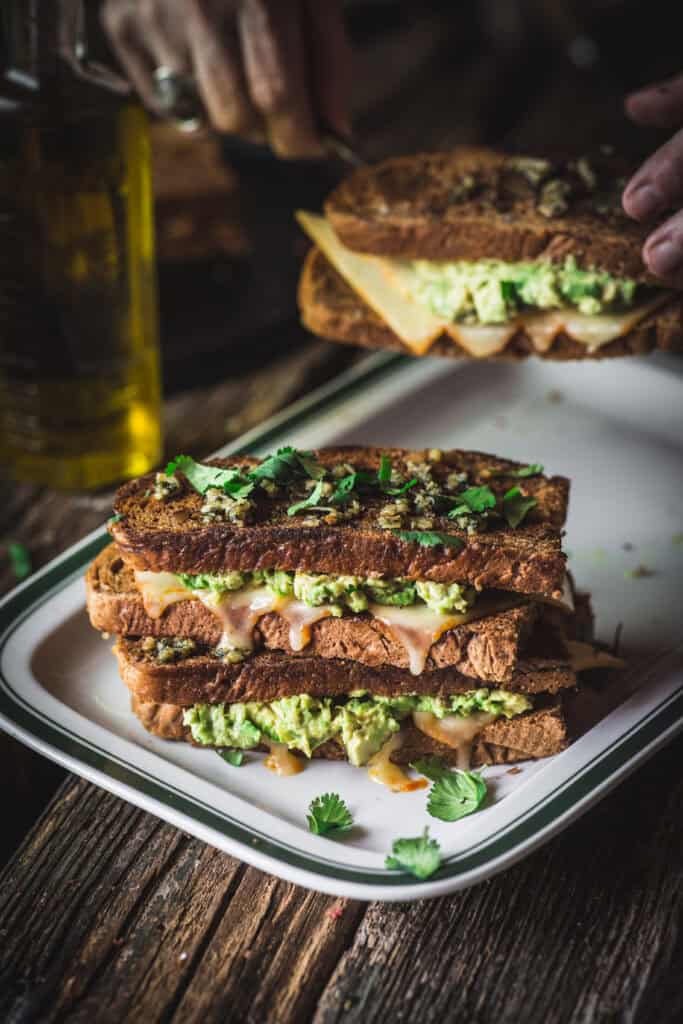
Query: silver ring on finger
x=178 y=98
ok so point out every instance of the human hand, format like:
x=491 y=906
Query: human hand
x=264 y=69
x=657 y=186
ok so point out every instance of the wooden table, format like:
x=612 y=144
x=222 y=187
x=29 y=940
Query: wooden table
x=109 y=915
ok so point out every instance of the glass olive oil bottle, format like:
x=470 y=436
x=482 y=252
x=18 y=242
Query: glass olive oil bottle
x=79 y=353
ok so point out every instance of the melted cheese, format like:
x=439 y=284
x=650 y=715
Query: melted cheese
x=239 y=612
x=387 y=286
x=159 y=590
x=583 y=656
x=383 y=770
x=301 y=617
x=456 y=731
x=417 y=627
x=282 y=761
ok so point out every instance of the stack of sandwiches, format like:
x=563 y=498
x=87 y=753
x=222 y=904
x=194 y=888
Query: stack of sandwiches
x=473 y=253
x=373 y=605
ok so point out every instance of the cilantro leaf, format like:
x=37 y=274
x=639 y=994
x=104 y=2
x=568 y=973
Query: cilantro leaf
x=202 y=477
x=428 y=539
x=233 y=757
x=328 y=814
x=309 y=502
x=516 y=505
x=431 y=767
x=403 y=488
x=384 y=471
x=286 y=465
x=456 y=794
x=421 y=856
x=473 y=500
x=343 y=492
x=20 y=558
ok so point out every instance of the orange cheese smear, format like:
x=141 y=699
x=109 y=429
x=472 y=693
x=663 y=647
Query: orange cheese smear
x=383 y=770
x=282 y=761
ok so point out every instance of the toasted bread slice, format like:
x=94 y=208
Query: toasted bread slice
x=171 y=535
x=205 y=678
x=486 y=649
x=534 y=734
x=475 y=203
x=331 y=309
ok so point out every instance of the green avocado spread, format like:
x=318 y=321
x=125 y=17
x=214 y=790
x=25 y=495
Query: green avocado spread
x=361 y=723
x=494 y=292
x=344 y=593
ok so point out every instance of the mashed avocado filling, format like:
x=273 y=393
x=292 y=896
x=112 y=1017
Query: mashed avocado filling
x=361 y=723
x=493 y=292
x=344 y=593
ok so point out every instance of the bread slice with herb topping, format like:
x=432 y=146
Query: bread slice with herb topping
x=417 y=527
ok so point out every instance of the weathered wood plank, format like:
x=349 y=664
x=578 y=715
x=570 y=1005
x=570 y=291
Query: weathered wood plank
x=108 y=914
x=587 y=929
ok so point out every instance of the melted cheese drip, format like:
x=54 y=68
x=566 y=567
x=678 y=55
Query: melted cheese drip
x=417 y=627
x=301 y=617
x=282 y=761
x=159 y=590
x=388 y=286
x=583 y=656
x=456 y=731
x=383 y=770
x=239 y=612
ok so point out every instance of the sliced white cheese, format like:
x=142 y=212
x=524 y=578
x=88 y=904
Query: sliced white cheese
x=456 y=731
x=387 y=286
x=584 y=656
x=416 y=326
x=159 y=590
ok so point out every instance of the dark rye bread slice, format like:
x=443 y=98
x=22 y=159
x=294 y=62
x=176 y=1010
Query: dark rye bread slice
x=204 y=678
x=170 y=535
x=534 y=734
x=416 y=207
x=331 y=309
x=486 y=649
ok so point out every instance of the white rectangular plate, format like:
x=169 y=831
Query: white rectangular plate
x=615 y=428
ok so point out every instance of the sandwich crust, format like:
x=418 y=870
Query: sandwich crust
x=207 y=679
x=486 y=648
x=471 y=204
x=532 y=735
x=331 y=309
x=171 y=536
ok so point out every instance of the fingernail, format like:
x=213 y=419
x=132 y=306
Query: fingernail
x=664 y=256
x=644 y=201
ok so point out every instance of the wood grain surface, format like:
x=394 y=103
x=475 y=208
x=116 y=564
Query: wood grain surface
x=109 y=915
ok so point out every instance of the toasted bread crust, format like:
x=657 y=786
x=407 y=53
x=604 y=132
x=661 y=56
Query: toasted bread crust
x=171 y=536
x=485 y=649
x=534 y=734
x=205 y=678
x=413 y=207
x=331 y=309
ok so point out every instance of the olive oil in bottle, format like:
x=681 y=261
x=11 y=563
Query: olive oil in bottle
x=79 y=354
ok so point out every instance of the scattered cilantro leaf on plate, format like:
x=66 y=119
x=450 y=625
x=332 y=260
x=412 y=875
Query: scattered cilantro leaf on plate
x=20 y=558
x=429 y=539
x=421 y=856
x=516 y=505
x=456 y=794
x=328 y=814
x=232 y=756
x=431 y=767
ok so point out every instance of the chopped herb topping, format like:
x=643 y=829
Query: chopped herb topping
x=421 y=856
x=516 y=505
x=310 y=502
x=474 y=499
x=328 y=815
x=534 y=469
x=429 y=539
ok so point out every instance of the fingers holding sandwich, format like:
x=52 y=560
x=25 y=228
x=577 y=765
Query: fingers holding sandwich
x=657 y=186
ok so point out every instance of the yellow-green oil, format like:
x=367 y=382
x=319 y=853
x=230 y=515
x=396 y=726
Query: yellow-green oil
x=79 y=350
